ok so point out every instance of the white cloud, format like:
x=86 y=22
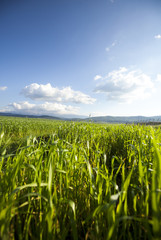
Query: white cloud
x=157 y=36
x=107 y=49
x=41 y=109
x=111 y=46
x=158 y=77
x=125 y=86
x=3 y=88
x=97 y=77
x=53 y=94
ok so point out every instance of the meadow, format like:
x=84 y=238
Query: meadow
x=77 y=180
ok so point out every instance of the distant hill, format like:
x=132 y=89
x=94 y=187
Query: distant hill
x=125 y=119
x=99 y=119
x=29 y=116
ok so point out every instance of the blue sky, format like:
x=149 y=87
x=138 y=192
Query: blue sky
x=80 y=57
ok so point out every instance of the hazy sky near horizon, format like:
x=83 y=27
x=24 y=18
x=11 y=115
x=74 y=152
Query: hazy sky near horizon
x=80 y=57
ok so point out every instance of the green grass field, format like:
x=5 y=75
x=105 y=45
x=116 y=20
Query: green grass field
x=65 y=180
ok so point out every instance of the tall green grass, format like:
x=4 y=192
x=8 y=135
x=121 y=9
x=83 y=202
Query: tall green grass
x=65 y=180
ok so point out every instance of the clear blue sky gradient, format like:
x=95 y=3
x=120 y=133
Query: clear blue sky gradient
x=68 y=42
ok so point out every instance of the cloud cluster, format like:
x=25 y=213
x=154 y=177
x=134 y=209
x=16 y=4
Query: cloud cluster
x=46 y=92
x=41 y=109
x=123 y=85
x=3 y=88
x=53 y=101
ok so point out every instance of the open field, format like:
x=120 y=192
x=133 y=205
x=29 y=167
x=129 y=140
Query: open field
x=65 y=180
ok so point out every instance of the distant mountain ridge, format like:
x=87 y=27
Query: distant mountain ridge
x=126 y=119
x=98 y=119
x=29 y=116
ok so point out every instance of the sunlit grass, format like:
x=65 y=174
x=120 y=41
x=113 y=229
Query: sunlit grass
x=65 y=180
